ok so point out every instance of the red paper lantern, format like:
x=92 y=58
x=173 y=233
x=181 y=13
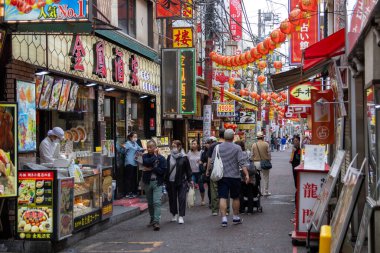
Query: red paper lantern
x=219 y=59
x=262 y=49
x=224 y=61
x=231 y=89
x=277 y=36
x=261 y=79
x=264 y=95
x=243 y=60
x=308 y=5
x=242 y=92
x=296 y=16
x=231 y=81
x=237 y=60
x=255 y=53
x=271 y=45
x=277 y=65
x=283 y=95
x=253 y=94
x=249 y=58
x=258 y=97
x=268 y=99
x=229 y=61
x=278 y=100
x=286 y=27
x=262 y=65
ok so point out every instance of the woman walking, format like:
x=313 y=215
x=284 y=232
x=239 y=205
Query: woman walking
x=194 y=156
x=178 y=180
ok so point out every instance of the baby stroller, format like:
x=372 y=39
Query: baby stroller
x=250 y=196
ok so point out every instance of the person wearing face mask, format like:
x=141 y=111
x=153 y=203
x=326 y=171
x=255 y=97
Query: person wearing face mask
x=178 y=180
x=130 y=149
x=49 y=147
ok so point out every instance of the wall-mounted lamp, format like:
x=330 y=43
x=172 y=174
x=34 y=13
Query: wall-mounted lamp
x=109 y=89
x=91 y=84
x=42 y=72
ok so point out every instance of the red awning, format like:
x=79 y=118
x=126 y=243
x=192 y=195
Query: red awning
x=330 y=46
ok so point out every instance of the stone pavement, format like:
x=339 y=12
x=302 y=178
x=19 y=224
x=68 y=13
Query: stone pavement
x=265 y=232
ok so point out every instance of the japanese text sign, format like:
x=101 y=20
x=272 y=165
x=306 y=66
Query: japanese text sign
x=305 y=36
x=187 y=81
x=182 y=37
x=314 y=157
x=87 y=220
x=322 y=111
x=301 y=94
x=174 y=9
x=68 y=10
x=236 y=19
x=225 y=109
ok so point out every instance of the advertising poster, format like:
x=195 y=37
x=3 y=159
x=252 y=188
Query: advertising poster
x=236 y=19
x=35 y=205
x=300 y=95
x=65 y=93
x=65 y=221
x=46 y=92
x=107 y=193
x=108 y=148
x=315 y=157
x=26 y=96
x=19 y=10
x=8 y=150
x=39 y=83
x=55 y=94
x=225 y=109
x=72 y=98
x=207 y=116
x=322 y=111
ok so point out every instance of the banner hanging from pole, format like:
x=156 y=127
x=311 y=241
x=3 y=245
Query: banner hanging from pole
x=322 y=111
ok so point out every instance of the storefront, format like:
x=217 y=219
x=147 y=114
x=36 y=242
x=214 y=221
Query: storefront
x=97 y=92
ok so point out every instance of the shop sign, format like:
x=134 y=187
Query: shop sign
x=314 y=157
x=8 y=150
x=225 y=109
x=322 y=111
x=77 y=53
x=100 y=105
x=187 y=81
x=65 y=209
x=3 y=34
x=207 y=115
x=246 y=116
x=34 y=11
x=174 y=9
x=182 y=37
x=26 y=99
x=245 y=126
x=118 y=66
x=301 y=94
x=87 y=220
x=307 y=35
x=236 y=19
x=133 y=68
x=100 y=62
x=107 y=193
x=35 y=200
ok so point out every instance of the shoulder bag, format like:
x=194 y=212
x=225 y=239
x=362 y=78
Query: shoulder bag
x=217 y=171
x=264 y=164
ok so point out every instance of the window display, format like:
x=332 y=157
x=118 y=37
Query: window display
x=136 y=117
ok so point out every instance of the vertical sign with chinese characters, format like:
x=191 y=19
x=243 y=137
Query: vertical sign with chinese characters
x=133 y=68
x=322 y=111
x=187 y=81
x=182 y=37
x=118 y=66
x=100 y=62
x=77 y=53
x=207 y=115
x=305 y=36
x=168 y=9
x=236 y=19
x=300 y=95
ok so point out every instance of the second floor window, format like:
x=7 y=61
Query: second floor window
x=127 y=16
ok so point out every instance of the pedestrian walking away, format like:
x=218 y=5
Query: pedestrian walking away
x=154 y=170
x=194 y=156
x=178 y=180
x=283 y=143
x=204 y=160
x=260 y=152
x=295 y=158
x=233 y=159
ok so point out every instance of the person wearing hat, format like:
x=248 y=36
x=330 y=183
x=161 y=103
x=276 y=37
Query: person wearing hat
x=48 y=147
x=261 y=151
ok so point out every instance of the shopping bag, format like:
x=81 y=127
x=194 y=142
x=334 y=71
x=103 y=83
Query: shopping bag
x=190 y=197
x=217 y=170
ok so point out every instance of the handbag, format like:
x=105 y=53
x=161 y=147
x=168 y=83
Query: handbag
x=191 y=197
x=217 y=169
x=264 y=164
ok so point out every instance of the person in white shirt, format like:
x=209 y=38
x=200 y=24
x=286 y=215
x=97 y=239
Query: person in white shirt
x=49 y=147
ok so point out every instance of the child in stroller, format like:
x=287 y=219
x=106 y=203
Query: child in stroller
x=250 y=193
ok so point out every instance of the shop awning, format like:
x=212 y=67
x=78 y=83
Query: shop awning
x=295 y=76
x=247 y=104
x=327 y=48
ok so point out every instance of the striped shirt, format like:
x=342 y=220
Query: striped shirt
x=232 y=158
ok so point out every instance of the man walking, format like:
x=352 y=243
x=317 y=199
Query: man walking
x=261 y=151
x=295 y=158
x=233 y=159
x=283 y=143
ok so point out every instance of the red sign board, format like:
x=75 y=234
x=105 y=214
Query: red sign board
x=100 y=62
x=78 y=53
x=301 y=94
x=168 y=8
x=322 y=111
x=303 y=37
x=118 y=66
x=236 y=19
x=133 y=67
x=36 y=175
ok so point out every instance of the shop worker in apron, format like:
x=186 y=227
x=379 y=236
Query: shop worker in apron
x=50 y=147
x=153 y=179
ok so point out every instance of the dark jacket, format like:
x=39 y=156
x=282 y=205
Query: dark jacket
x=296 y=157
x=183 y=172
x=158 y=163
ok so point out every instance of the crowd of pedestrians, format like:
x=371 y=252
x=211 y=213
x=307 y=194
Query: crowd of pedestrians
x=243 y=168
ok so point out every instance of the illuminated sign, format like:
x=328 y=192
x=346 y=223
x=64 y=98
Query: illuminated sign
x=182 y=37
x=187 y=81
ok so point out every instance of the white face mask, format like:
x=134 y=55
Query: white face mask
x=175 y=150
x=134 y=139
x=57 y=141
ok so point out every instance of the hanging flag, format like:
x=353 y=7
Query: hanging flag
x=236 y=19
x=322 y=111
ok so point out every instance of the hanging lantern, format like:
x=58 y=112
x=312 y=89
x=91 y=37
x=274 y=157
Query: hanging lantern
x=231 y=89
x=286 y=27
x=277 y=36
x=255 y=53
x=253 y=94
x=278 y=100
x=237 y=60
x=233 y=61
x=262 y=65
x=268 y=99
x=219 y=59
x=308 y=5
x=258 y=96
x=262 y=49
x=296 y=16
x=277 y=65
x=261 y=79
x=283 y=95
x=242 y=92
x=231 y=81
x=269 y=44
x=243 y=59
x=249 y=58
x=264 y=95
x=213 y=56
x=229 y=62
x=224 y=60
x=273 y=95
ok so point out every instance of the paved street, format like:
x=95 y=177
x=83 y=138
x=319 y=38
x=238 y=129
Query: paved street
x=260 y=233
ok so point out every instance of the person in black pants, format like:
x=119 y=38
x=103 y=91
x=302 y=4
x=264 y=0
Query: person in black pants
x=295 y=158
x=178 y=180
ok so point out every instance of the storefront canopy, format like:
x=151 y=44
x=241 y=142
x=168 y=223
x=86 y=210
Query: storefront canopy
x=247 y=104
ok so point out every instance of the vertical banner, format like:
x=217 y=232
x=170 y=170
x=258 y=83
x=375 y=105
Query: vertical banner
x=207 y=114
x=322 y=111
x=236 y=19
x=168 y=9
x=187 y=81
x=305 y=36
x=182 y=37
x=170 y=85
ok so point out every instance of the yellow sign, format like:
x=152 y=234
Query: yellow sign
x=271 y=114
x=182 y=37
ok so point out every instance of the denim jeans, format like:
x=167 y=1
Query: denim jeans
x=153 y=193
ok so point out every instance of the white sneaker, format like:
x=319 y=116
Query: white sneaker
x=174 y=219
x=180 y=220
x=214 y=214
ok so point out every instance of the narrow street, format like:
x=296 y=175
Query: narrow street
x=260 y=233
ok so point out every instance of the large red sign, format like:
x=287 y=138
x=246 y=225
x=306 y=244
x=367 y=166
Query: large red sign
x=301 y=94
x=322 y=111
x=236 y=19
x=305 y=36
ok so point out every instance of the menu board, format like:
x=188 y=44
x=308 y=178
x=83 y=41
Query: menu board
x=8 y=150
x=35 y=205
x=46 y=92
x=314 y=157
x=107 y=193
x=55 y=94
x=39 y=83
x=65 y=93
x=86 y=220
x=26 y=116
x=65 y=223
x=72 y=98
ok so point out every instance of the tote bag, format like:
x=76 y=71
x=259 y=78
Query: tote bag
x=217 y=170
